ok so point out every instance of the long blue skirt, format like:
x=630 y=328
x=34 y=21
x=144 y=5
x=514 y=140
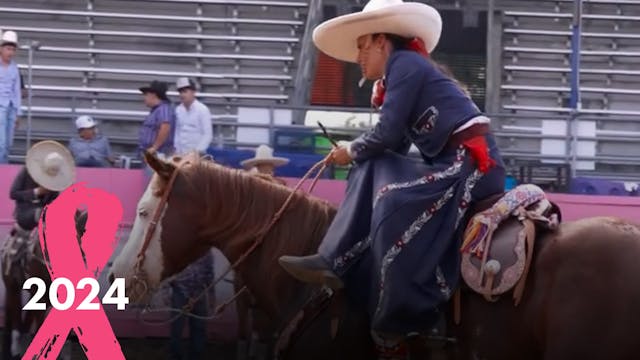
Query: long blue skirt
x=395 y=239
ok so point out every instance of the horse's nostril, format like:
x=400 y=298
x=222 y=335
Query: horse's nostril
x=111 y=278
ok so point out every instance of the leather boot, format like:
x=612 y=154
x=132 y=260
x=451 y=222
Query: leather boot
x=311 y=269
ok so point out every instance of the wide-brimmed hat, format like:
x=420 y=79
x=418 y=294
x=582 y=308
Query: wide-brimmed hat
x=264 y=155
x=9 y=38
x=51 y=165
x=338 y=37
x=157 y=87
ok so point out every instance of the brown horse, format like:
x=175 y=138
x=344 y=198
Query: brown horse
x=578 y=302
x=19 y=262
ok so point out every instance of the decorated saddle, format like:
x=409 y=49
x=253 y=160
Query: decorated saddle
x=498 y=242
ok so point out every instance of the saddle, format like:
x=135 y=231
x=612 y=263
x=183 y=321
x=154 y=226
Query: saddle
x=17 y=251
x=498 y=242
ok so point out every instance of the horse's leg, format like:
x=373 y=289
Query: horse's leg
x=9 y=323
x=13 y=320
x=262 y=335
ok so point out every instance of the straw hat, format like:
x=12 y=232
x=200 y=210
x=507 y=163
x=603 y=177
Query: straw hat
x=338 y=37
x=51 y=165
x=264 y=155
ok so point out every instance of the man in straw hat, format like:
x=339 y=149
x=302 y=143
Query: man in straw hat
x=264 y=162
x=405 y=269
x=10 y=92
x=49 y=170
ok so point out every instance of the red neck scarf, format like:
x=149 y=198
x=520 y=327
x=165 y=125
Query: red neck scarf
x=417 y=45
x=377 y=96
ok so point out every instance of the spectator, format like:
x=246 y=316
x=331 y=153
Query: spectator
x=264 y=162
x=193 y=120
x=49 y=169
x=157 y=132
x=189 y=284
x=89 y=148
x=10 y=92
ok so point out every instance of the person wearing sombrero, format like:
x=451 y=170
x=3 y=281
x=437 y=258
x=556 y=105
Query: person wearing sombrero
x=264 y=162
x=393 y=244
x=49 y=169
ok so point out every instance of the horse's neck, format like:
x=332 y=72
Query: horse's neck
x=295 y=233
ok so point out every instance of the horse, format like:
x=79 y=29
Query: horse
x=22 y=258
x=578 y=302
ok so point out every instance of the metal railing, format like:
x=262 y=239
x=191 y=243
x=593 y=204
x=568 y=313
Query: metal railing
x=505 y=127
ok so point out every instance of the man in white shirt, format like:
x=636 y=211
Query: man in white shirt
x=193 y=120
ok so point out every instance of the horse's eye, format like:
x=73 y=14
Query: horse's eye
x=142 y=213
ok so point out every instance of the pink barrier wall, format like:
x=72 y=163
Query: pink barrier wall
x=129 y=185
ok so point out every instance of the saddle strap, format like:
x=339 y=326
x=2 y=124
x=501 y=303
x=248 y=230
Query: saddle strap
x=309 y=311
x=457 y=307
x=530 y=237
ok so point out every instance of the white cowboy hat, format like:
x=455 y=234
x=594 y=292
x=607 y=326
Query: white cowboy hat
x=9 y=37
x=338 y=37
x=264 y=154
x=51 y=165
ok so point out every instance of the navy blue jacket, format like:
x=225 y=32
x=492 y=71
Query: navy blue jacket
x=421 y=106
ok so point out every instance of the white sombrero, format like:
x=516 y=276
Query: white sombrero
x=264 y=154
x=338 y=37
x=51 y=165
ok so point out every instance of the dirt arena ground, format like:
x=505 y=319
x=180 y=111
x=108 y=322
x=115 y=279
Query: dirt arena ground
x=158 y=348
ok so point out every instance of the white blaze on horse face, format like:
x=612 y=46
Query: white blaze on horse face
x=123 y=265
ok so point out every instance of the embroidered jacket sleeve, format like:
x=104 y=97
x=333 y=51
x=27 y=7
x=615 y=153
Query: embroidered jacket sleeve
x=405 y=78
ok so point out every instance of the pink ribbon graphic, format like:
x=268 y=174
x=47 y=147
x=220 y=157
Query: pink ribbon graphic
x=58 y=239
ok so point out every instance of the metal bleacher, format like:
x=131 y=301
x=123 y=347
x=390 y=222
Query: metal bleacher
x=536 y=82
x=92 y=56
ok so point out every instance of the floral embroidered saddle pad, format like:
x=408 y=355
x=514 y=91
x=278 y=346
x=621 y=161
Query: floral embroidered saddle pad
x=498 y=242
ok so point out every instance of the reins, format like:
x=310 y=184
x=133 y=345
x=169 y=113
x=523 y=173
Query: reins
x=186 y=310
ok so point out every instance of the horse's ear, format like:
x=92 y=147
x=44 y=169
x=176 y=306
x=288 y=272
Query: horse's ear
x=163 y=168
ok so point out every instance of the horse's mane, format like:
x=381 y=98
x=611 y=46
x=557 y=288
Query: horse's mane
x=239 y=205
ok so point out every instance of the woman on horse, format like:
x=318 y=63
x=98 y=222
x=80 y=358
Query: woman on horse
x=394 y=241
x=49 y=169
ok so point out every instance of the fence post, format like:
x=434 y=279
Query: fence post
x=33 y=46
x=576 y=101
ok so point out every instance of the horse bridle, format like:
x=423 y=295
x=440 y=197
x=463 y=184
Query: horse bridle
x=151 y=229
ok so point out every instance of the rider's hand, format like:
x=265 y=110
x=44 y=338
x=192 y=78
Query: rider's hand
x=39 y=191
x=339 y=156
